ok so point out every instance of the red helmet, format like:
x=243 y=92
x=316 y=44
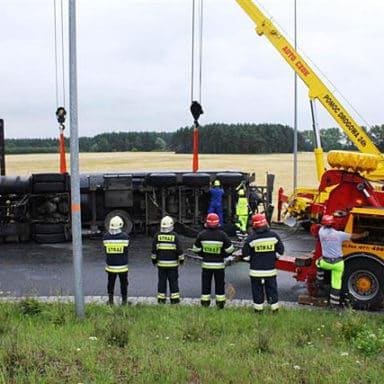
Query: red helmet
x=259 y=220
x=327 y=220
x=212 y=220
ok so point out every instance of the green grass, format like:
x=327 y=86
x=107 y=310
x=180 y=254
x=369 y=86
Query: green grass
x=45 y=343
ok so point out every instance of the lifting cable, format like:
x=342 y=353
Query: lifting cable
x=60 y=111
x=197 y=45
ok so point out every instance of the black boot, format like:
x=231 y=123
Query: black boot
x=175 y=301
x=110 y=299
x=205 y=303
x=123 y=299
x=220 y=304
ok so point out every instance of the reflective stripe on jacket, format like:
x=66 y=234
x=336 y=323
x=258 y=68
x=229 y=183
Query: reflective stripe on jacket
x=262 y=273
x=213 y=245
x=261 y=246
x=166 y=249
x=116 y=251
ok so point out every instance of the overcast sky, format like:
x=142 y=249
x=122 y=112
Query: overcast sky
x=134 y=59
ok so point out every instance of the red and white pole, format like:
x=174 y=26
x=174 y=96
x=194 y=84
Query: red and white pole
x=63 y=161
x=195 y=161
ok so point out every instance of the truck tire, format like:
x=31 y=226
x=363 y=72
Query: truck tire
x=230 y=179
x=49 y=177
x=48 y=228
x=50 y=238
x=44 y=187
x=196 y=179
x=128 y=224
x=161 y=179
x=17 y=185
x=363 y=283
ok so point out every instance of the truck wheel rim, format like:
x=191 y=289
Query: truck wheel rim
x=363 y=285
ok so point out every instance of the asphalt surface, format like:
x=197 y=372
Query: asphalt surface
x=46 y=269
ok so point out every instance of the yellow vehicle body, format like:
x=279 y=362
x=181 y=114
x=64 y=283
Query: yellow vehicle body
x=363 y=281
x=370 y=220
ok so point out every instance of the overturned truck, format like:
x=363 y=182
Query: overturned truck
x=37 y=207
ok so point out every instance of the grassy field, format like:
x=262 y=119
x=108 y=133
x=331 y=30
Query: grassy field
x=281 y=165
x=43 y=343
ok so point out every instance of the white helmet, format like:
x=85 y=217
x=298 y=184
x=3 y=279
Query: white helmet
x=166 y=224
x=116 y=223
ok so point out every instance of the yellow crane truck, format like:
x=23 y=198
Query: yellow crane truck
x=345 y=190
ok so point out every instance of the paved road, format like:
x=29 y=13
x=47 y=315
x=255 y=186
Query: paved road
x=43 y=270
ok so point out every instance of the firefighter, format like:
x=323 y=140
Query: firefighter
x=261 y=247
x=331 y=242
x=216 y=202
x=214 y=246
x=167 y=254
x=242 y=211
x=254 y=199
x=115 y=243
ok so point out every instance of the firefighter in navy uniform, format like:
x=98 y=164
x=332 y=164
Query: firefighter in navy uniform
x=115 y=243
x=214 y=246
x=261 y=247
x=167 y=254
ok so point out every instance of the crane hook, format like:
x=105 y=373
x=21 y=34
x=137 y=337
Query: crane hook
x=196 y=111
x=60 y=115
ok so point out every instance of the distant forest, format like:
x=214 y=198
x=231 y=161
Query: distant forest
x=213 y=138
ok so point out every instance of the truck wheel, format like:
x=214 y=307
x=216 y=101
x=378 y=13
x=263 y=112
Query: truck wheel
x=44 y=187
x=48 y=228
x=15 y=185
x=50 y=238
x=196 y=179
x=232 y=179
x=48 y=177
x=363 y=283
x=128 y=224
x=161 y=179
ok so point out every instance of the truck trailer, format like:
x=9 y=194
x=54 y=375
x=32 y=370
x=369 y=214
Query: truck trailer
x=37 y=207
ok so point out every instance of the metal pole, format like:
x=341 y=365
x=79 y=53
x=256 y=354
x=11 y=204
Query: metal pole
x=77 y=250
x=295 y=113
x=2 y=148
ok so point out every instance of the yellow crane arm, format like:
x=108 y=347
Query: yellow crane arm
x=317 y=89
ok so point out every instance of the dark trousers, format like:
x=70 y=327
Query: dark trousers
x=218 y=209
x=171 y=275
x=206 y=282
x=270 y=284
x=123 y=276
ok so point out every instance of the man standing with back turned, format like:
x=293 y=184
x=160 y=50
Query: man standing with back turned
x=115 y=243
x=213 y=245
x=167 y=255
x=261 y=247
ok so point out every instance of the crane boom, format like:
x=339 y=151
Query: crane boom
x=317 y=89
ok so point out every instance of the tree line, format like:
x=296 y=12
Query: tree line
x=335 y=138
x=213 y=138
